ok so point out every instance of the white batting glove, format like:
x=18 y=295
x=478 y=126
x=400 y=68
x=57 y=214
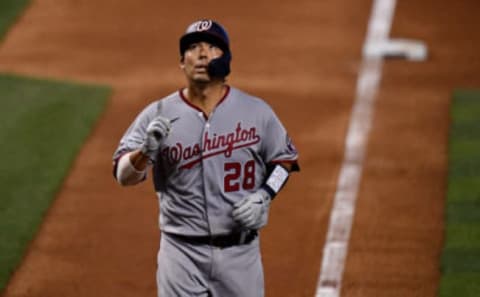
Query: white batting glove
x=249 y=212
x=157 y=130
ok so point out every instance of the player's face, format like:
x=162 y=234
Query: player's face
x=196 y=59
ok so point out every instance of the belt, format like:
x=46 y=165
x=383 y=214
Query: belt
x=221 y=241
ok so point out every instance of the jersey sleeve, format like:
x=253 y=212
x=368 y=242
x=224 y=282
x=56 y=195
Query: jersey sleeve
x=277 y=145
x=133 y=138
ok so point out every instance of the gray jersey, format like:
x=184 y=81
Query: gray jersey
x=206 y=164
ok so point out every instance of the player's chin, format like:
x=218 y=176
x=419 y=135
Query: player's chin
x=201 y=78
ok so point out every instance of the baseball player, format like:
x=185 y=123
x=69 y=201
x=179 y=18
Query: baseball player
x=219 y=156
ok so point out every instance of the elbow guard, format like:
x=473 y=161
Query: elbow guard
x=127 y=174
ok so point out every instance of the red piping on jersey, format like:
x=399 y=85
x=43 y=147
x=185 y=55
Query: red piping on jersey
x=189 y=103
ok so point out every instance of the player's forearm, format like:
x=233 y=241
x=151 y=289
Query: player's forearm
x=131 y=168
x=139 y=160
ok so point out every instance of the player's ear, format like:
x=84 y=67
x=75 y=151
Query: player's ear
x=182 y=60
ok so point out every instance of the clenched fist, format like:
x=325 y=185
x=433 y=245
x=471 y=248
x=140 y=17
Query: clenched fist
x=157 y=131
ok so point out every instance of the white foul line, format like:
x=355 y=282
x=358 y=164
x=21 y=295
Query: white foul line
x=341 y=218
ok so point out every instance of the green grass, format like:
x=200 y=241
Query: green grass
x=461 y=254
x=9 y=12
x=43 y=125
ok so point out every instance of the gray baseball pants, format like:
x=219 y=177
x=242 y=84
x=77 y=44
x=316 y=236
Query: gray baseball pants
x=202 y=270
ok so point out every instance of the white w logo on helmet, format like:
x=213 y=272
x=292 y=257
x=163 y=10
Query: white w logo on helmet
x=202 y=25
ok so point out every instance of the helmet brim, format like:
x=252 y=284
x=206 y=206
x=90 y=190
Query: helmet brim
x=205 y=36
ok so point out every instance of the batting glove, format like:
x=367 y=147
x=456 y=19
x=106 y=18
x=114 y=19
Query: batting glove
x=249 y=212
x=157 y=130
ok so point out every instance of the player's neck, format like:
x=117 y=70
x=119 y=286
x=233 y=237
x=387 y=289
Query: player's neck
x=205 y=96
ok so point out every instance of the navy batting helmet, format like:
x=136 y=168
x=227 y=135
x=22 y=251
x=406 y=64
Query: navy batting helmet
x=212 y=32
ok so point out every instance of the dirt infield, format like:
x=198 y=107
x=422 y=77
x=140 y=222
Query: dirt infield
x=303 y=57
x=398 y=231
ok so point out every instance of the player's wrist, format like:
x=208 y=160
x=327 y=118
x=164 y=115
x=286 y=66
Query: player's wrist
x=265 y=193
x=140 y=160
x=148 y=153
x=145 y=151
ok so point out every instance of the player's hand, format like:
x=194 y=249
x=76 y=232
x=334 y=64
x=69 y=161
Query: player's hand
x=249 y=211
x=157 y=131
